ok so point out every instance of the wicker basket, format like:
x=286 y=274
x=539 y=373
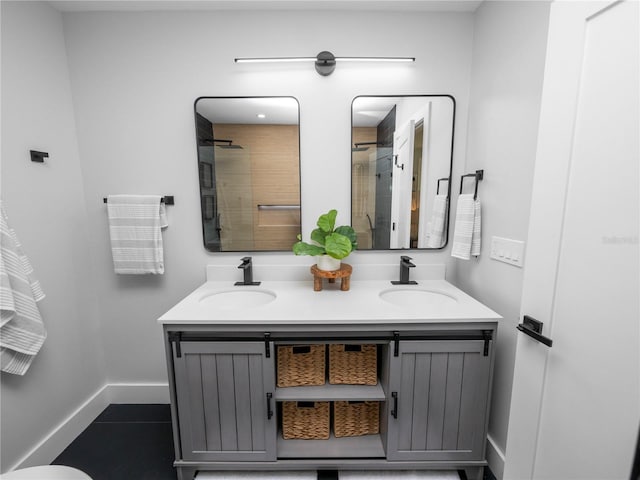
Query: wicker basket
x=353 y=364
x=301 y=365
x=351 y=419
x=305 y=420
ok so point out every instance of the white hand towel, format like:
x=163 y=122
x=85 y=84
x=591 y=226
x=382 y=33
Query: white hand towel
x=22 y=331
x=438 y=221
x=466 y=238
x=135 y=223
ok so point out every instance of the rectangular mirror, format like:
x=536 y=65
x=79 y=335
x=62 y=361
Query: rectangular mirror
x=401 y=160
x=249 y=167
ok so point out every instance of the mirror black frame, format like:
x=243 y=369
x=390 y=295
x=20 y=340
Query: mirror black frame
x=202 y=197
x=453 y=130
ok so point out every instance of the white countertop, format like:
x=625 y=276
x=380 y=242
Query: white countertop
x=296 y=302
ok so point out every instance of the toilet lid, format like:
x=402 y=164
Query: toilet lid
x=46 y=472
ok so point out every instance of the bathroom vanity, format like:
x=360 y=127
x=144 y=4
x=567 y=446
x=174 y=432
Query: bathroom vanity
x=434 y=365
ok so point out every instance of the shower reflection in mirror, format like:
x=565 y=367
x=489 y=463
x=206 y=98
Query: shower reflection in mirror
x=248 y=157
x=402 y=145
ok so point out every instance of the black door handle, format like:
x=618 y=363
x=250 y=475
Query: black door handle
x=533 y=328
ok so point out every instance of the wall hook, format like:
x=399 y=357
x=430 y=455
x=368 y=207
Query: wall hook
x=38 y=156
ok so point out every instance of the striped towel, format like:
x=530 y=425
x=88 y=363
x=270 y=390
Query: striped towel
x=135 y=223
x=438 y=221
x=466 y=239
x=22 y=331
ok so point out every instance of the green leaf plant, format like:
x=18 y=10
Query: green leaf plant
x=327 y=239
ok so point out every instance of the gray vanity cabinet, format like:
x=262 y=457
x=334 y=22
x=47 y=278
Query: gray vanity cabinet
x=224 y=401
x=433 y=391
x=438 y=400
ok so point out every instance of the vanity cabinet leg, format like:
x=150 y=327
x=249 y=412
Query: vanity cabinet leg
x=327 y=475
x=475 y=473
x=186 y=473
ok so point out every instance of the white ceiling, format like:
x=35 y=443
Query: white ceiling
x=370 y=111
x=195 y=5
x=277 y=110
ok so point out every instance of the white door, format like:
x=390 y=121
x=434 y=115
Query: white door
x=403 y=139
x=575 y=407
x=425 y=200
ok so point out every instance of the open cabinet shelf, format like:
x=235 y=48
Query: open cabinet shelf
x=330 y=392
x=365 y=446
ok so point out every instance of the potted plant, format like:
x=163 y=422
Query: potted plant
x=330 y=243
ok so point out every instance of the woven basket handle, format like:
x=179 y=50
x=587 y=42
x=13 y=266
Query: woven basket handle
x=302 y=349
x=352 y=348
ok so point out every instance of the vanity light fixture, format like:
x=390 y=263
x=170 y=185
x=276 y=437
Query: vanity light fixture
x=325 y=62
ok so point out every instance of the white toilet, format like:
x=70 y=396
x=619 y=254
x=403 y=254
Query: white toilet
x=46 y=472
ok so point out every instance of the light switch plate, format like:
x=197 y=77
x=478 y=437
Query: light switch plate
x=508 y=251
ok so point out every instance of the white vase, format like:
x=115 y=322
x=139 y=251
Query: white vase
x=327 y=263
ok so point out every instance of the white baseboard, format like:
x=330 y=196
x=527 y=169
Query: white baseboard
x=495 y=457
x=138 y=392
x=55 y=441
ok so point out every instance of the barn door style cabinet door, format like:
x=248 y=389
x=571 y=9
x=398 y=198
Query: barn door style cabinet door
x=439 y=398
x=224 y=396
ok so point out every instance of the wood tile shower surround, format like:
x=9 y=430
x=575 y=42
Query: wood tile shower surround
x=274 y=180
x=363 y=174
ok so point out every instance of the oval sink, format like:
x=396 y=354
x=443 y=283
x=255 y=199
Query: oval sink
x=413 y=297
x=238 y=299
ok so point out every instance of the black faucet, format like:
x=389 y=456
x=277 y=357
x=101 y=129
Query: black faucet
x=405 y=265
x=247 y=271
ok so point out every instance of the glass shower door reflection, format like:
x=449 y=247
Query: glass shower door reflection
x=235 y=202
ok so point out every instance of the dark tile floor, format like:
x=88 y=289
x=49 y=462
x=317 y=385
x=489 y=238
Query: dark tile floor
x=129 y=442
x=125 y=442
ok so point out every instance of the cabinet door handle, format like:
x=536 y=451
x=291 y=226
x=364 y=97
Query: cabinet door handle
x=269 y=410
x=394 y=412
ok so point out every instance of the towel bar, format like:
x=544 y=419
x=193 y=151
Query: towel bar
x=479 y=175
x=441 y=180
x=167 y=200
x=278 y=207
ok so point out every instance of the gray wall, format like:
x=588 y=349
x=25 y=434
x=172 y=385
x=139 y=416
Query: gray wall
x=135 y=77
x=509 y=49
x=45 y=205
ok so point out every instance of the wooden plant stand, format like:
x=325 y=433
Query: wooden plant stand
x=344 y=274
